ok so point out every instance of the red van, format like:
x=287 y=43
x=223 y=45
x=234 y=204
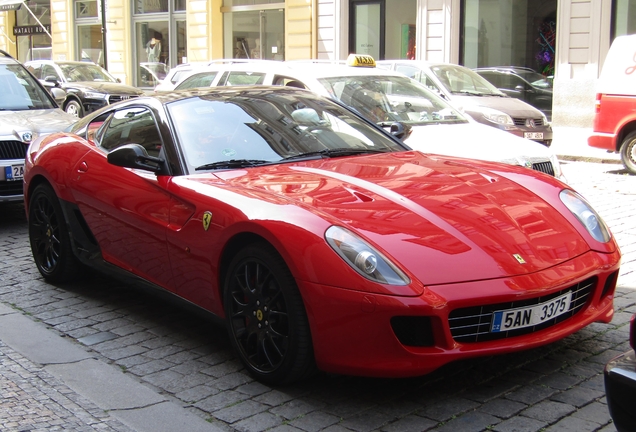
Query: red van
x=615 y=118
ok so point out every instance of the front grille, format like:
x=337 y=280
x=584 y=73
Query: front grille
x=12 y=150
x=9 y=188
x=117 y=98
x=538 y=122
x=544 y=167
x=473 y=324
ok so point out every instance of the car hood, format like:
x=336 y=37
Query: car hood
x=442 y=220
x=104 y=87
x=509 y=105
x=477 y=141
x=40 y=122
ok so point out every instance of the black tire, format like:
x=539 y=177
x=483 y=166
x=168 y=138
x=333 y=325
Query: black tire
x=628 y=152
x=266 y=317
x=49 y=237
x=74 y=108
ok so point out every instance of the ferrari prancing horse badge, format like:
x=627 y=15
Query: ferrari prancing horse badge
x=207 y=218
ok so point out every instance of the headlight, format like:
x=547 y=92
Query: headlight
x=496 y=116
x=95 y=95
x=363 y=258
x=586 y=215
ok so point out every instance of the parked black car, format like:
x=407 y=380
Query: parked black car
x=620 y=385
x=522 y=83
x=88 y=86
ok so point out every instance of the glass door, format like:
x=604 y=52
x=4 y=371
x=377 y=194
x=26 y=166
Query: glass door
x=366 y=28
x=255 y=34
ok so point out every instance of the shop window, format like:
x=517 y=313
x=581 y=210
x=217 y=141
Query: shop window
x=509 y=33
x=623 y=17
x=257 y=33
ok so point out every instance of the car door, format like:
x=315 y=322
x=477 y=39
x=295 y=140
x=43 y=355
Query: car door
x=127 y=210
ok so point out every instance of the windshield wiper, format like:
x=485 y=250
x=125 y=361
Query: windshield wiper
x=337 y=152
x=233 y=163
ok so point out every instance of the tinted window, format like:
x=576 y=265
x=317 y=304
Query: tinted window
x=132 y=126
x=245 y=78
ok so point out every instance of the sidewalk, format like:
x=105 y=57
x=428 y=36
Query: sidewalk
x=48 y=383
x=570 y=144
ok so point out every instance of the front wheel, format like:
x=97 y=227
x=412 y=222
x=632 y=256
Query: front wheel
x=74 y=108
x=628 y=152
x=49 y=237
x=266 y=317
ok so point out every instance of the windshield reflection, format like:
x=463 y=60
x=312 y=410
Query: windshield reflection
x=391 y=98
x=269 y=127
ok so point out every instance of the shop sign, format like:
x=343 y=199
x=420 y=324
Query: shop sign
x=32 y=29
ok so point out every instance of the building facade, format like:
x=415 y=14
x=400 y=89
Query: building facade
x=563 y=39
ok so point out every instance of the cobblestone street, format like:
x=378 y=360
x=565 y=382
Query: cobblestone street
x=186 y=358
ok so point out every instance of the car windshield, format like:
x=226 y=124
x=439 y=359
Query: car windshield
x=391 y=98
x=461 y=80
x=20 y=91
x=269 y=127
x=157 y=69
x=85 y=72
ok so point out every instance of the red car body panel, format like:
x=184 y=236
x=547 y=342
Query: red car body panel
x=452 y=228
x=615 y=114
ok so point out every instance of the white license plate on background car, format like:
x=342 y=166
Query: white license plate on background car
x=533 y=135
x=511 y=319
x=14 y=172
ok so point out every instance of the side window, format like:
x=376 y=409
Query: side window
x=245 y=78
x=280 y=80
x=35 y=69
x=48 y=70
x=493 y=78
x=418 y=75
x=515 y=82
x=203 y=79
x=132 y=126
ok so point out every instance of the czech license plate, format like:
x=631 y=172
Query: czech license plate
x=533 y=135
x=14 y=172
x=511 y=319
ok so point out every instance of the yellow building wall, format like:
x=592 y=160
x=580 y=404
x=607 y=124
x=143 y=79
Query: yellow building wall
x=7 y=40
x=300 y=29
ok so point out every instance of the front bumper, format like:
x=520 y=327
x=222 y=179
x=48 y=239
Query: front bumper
x=355 y=333
x=620 y=389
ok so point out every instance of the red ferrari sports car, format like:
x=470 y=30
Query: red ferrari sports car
x=320 y=239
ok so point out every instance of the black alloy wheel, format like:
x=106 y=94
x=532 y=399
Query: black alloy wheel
x=628 y=152
x=266 y=318
x=49 y=237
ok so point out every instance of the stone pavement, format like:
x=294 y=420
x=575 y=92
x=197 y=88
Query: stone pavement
x=103 y=356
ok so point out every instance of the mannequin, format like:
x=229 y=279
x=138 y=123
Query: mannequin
x=153 y=49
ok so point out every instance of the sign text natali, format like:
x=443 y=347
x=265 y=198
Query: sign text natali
x=29 y=30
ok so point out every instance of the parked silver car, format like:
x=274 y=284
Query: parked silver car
x=27 y=111
x=477 y=97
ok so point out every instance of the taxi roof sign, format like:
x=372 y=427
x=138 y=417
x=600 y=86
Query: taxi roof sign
x=360 y=60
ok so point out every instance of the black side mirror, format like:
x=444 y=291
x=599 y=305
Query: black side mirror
x=400 y=130
x=52 y=80
x=134 y=156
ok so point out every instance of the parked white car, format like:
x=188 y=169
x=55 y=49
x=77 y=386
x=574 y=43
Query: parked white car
x=389 y=99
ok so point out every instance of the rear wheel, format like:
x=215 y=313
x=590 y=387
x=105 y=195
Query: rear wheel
x=266 y=317
x=628 y=152
x=49 y=237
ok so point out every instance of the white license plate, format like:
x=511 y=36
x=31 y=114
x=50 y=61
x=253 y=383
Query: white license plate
x=511 y=319
x=15 y=172
x=533 y=135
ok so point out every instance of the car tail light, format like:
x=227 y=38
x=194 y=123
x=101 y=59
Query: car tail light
x=632 y=332
x=597 y=103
